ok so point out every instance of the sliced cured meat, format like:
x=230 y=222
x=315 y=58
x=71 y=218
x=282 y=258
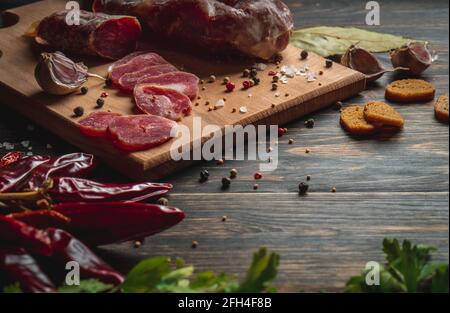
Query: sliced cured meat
x=257 y=28
x=96 y=124
x=98 y=34
x=161 y=101
x=134 y=64
x=125 y=60
x=129 y=80
x=183 y=82
x=140 y=132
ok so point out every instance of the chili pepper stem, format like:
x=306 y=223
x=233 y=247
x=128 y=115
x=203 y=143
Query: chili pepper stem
x=27 y=196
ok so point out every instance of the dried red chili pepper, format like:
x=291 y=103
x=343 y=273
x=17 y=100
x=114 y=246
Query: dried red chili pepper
x=69 y=189
x=21 y=267
x=42 y=219
x=15 y=173
x=106 y=223
x=31 y=171
x=74 y=165
x=17 y=233
x=67 y=248
x=10 y=158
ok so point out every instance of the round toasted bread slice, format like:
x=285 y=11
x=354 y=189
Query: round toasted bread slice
x=441 y=109
x=410 y=90
x=353 y=121
x=381 y=113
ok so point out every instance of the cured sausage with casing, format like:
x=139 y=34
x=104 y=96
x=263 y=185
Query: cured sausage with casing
x=255 y=28
x=98 y=34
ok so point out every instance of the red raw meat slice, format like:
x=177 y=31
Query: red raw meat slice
x=183 y=82
x=96 y=124
x=140 y=132
x=99 y=34
x=134 y=64
x=161 y=101
x=129 y=80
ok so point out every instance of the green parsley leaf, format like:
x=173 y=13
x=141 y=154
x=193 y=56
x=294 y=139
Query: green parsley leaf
x=146 y=276
x=86 y=286
x=158 y=275
x=14 y=288
x=263 y=270
x=408 y=269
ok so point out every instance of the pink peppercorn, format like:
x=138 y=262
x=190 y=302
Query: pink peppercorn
x=104 y=95
x=230 y=86
x=281 y=131
x=258 y=176
x=247 y=84
x=272 y=73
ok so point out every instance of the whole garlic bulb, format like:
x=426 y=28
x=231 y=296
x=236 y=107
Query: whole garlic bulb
x=56 y=74
x=416 y=57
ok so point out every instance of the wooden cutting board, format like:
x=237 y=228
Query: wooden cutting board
x=18 y=88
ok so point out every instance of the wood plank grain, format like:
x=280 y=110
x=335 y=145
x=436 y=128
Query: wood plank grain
x=323 y=238
x=396 y=187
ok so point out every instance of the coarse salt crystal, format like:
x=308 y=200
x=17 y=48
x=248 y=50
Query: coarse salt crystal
x=311 y=77
x=29 y=153
x=220 y=103
x=8 y=146
x=49 y=146
x=260 y=66
x=284 y=80
x=243 y=109
x=277 y=94
x=25 y=143
x=288 y=71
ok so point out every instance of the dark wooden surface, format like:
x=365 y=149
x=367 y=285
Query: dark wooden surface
x=394 y=186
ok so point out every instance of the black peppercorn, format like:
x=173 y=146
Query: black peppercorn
x=84 y=90
x=277 y=58
x=108 y=82
x=304 y=55
x=256 y=80
x=226 y=182
x=310 y=123
x=253 y=73
x=303 y=189
x=328 y=63
x=204 y=175
x=78 y=111
x=339 y=105
x=100 y=103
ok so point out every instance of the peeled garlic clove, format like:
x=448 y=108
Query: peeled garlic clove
x=363 y=61
x=59 y=75
x=415 y=56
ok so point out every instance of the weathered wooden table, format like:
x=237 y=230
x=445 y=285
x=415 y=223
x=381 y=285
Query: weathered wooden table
x=386 y=187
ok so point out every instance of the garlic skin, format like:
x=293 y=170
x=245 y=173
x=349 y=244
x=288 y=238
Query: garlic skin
x=58 y=75
x=363 y=61
x=416 y=57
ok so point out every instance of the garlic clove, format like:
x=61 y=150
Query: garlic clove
x=365 y=62
x=416 y=57
x=56 y=74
